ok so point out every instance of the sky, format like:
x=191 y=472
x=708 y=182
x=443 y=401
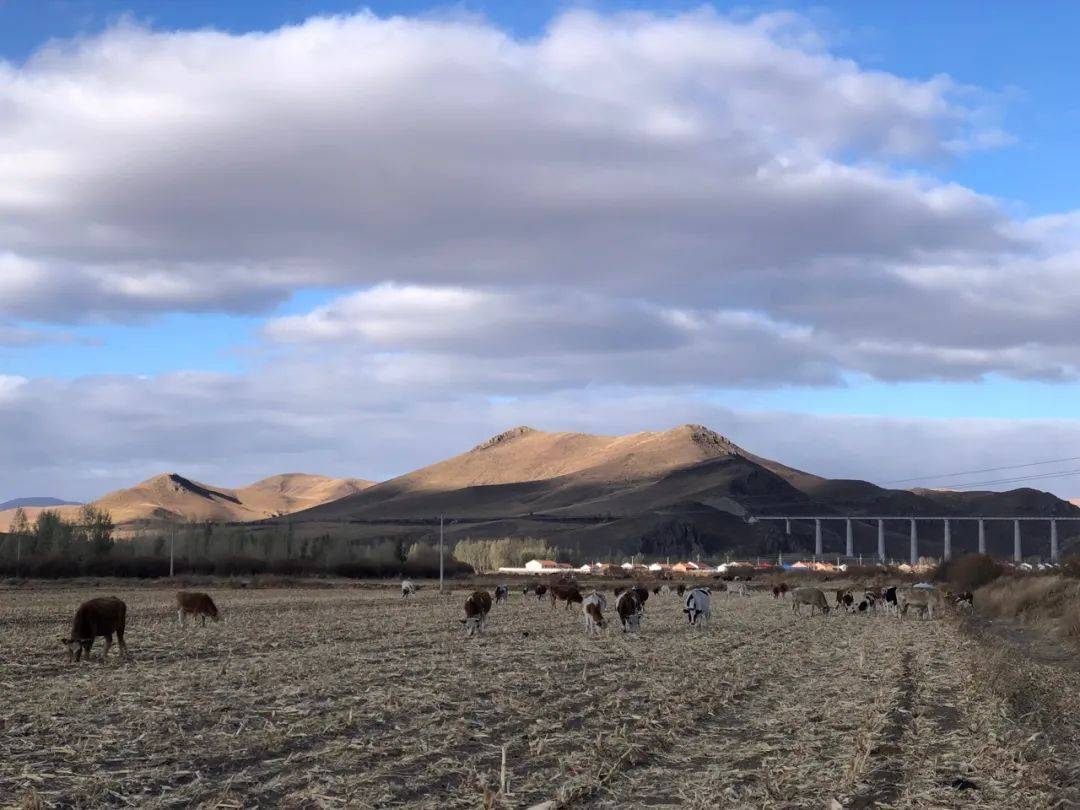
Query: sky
x=251 y=238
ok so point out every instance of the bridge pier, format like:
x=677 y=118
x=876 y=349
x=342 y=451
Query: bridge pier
x=881 y=540
x=787 y=525
x=947 y=553
x=1018 y=555
x=914 y=542
x=850 y=540
x=1053 y=541
x=982 y=536
x=818 y=549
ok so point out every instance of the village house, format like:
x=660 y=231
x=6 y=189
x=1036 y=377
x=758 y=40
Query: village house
x=547 y=567
x=692 y=568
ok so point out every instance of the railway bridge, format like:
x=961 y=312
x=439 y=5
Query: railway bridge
x=913 y=521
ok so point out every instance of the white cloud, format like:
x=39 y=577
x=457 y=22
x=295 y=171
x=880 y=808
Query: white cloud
x=656 y=156
x=590 y=227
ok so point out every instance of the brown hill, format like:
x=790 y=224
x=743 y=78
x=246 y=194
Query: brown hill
x=684 y=488
x=675 y=492
x=532 y=471
x=170 y=497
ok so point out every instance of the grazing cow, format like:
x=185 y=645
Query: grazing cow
x=593 y=606
x=680 y=589
x=540 y=590
x=597 y=598
x=502 y=593
x=193 y=603
x=922 y=599
x=594 y=620
x=809 y=596
x=477 y=607
x=783 y=590
x=848 y=601
x=863 y=605
x=568 y=593
x=776 y=592
x=964 y=599
x=629 y=609
x=97 y=617
x=656 y=590
x=697 y=606
x=407 y=588
x=872 y=596
x=642 y=595
x=891 y=604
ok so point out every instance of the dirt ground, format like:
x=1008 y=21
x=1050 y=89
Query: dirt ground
x=347 y=697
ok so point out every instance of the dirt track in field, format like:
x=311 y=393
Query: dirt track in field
x=356 y=698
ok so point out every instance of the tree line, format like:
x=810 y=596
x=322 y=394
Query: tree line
x=84 y=545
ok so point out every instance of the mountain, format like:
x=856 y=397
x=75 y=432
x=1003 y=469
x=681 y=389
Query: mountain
x=172 y=498
x=659 y=493
x=16 y=503
x=675 y=492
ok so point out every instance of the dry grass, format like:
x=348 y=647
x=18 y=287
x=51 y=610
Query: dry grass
x=1028 y=598
x=351 y=697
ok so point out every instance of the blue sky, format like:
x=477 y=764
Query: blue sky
x=1008 y=103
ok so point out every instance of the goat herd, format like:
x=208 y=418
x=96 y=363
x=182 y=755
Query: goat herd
x=630 y=602
x=106 y=616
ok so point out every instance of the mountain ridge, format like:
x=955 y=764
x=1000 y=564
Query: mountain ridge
x=686 y=488
x=171 y=497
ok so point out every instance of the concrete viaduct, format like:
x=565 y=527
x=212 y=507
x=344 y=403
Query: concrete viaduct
x=914 y=525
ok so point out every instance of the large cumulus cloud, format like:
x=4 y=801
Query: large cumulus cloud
x=654 y=155
x=589 y=228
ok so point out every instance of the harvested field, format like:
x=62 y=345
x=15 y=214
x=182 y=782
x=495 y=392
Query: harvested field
x=349 y=697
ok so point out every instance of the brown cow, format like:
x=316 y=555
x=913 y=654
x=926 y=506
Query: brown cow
x=477 y=607
x=680 y=589
x=642 y=595
x=97 y=617
x=194 y=603
x=568 y=593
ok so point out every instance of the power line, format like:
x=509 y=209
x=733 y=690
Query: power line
x=1041 y=476
x=984 y=469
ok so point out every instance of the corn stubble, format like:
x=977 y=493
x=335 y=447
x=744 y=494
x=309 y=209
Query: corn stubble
x=350 y=697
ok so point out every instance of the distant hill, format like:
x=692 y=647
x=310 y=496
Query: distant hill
x=671 y=492
x=172 y=498
x=16 y=503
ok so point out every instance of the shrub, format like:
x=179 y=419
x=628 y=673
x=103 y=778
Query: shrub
x=1028 y=598
x=1070 y=567
x=969 y=572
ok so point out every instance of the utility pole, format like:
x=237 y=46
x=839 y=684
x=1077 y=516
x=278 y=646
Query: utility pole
x=440 y=553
